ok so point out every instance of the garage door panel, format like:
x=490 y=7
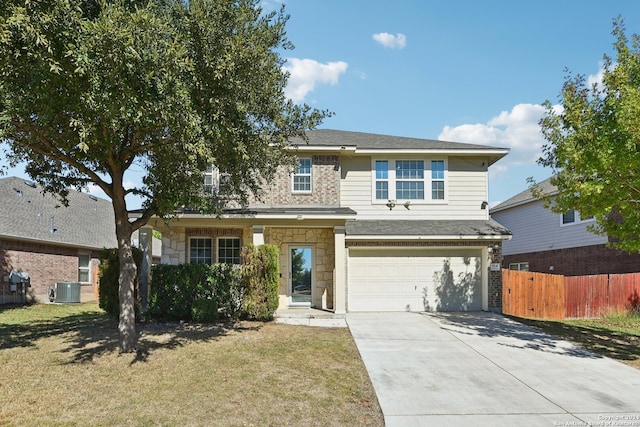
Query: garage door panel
x=415 y=280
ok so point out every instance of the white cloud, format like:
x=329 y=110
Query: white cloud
x=399 y=41
x=517 y=129
x=305 y=74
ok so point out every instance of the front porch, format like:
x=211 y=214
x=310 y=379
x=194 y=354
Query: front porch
x=310 y=317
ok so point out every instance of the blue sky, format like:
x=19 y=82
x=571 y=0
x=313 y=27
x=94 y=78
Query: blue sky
x=465 y=71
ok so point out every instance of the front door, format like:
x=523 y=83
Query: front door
x=301 y=262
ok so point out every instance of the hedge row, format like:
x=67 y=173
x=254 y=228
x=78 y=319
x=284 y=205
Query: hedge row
x=201 y=292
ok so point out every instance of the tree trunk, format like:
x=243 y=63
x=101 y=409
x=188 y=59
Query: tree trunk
x=128 y=270
x=126 y=280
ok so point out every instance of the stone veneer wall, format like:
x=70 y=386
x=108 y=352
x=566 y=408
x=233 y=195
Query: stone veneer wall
x=323 y=243
x=175 y=240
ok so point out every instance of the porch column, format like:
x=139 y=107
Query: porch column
x=258 y=235
x=340 y=285
x=145 y=240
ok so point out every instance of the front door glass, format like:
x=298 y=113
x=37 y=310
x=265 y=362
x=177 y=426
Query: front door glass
x=301 y=274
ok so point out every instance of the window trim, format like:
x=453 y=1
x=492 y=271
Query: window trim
x=427 y=180
x=87 y=268
x=295 y=174
x=192 y=238
x=577 y=219
x=518 y=264
x=238 y=239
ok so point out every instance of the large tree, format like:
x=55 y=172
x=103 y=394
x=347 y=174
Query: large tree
x=90 y=88
x=593 y=145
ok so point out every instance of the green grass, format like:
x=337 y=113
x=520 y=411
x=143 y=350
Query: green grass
x=616 y=335
x=60 y=366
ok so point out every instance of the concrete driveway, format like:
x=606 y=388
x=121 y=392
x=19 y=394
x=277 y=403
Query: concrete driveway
x=482 y=369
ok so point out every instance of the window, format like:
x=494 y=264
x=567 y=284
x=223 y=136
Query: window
x=520 y=266
x=210 y=176
x=229 y=250
x=437 y=179
x=216 y=182
x=84 y=268
x=408 y=180
x=382 y=180
x=200 y=251
x=573 y=217
x=302 y=176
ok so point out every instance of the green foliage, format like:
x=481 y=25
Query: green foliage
x=197 y=292
x=261 y=281
x=593 y=145
x=89 y=88
x=109 y=275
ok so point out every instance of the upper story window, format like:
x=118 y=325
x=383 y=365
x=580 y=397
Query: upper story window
x=573 y=217
x=302 y=176
x=200 y=250
x=382 y=179
x=409 y=180
x=437 y=179
x=214 y=180
x=229 y=250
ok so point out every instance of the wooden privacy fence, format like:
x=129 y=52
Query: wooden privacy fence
x=553 y=296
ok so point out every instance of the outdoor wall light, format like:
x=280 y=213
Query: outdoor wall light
x=391 y=204
x=407 y=204
x=484 y=205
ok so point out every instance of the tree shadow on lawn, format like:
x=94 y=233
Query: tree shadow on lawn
x=89 y=335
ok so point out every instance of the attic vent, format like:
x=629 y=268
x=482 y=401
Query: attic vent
x=30 y=183
x=92 y=197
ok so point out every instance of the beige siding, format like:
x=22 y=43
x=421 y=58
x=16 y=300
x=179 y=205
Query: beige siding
x=536 y=229
x=466 y=190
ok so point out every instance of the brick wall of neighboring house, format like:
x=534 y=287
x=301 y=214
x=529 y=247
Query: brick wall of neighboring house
x=587 y=260
x=46 y=265
x=325 y=186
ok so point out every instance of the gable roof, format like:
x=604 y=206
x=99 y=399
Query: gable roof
x=27 y=214
x=525 y=196
x=369 y=143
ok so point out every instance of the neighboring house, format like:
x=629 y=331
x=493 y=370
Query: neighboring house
x=366 y=223
x=547 y=242
x=50 y=242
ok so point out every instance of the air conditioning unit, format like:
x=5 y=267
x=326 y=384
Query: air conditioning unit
x=67 y=292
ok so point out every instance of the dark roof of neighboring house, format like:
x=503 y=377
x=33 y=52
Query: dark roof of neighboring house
x=369 y=141
x=445 y=228
x=27 y=214
x=525 y=196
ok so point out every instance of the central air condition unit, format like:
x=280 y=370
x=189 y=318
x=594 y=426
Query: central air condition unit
x=68 y=292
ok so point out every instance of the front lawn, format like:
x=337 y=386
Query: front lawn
x=60 y=365
x=616 y=335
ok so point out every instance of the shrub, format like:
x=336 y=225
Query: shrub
x=260 y=277
x=109 y=275
x=197 y=292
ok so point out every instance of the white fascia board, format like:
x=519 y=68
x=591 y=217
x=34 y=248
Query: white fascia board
x=293 y=217
x=343 y=148
x=482 y=152
x=400 y=237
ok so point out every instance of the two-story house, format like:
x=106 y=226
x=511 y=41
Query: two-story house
x=548 y=242
x=366 y=223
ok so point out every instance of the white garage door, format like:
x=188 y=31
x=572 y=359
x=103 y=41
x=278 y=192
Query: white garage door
x=414 y=280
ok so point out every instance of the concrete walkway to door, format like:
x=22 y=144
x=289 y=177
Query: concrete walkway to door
x=483 y=369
